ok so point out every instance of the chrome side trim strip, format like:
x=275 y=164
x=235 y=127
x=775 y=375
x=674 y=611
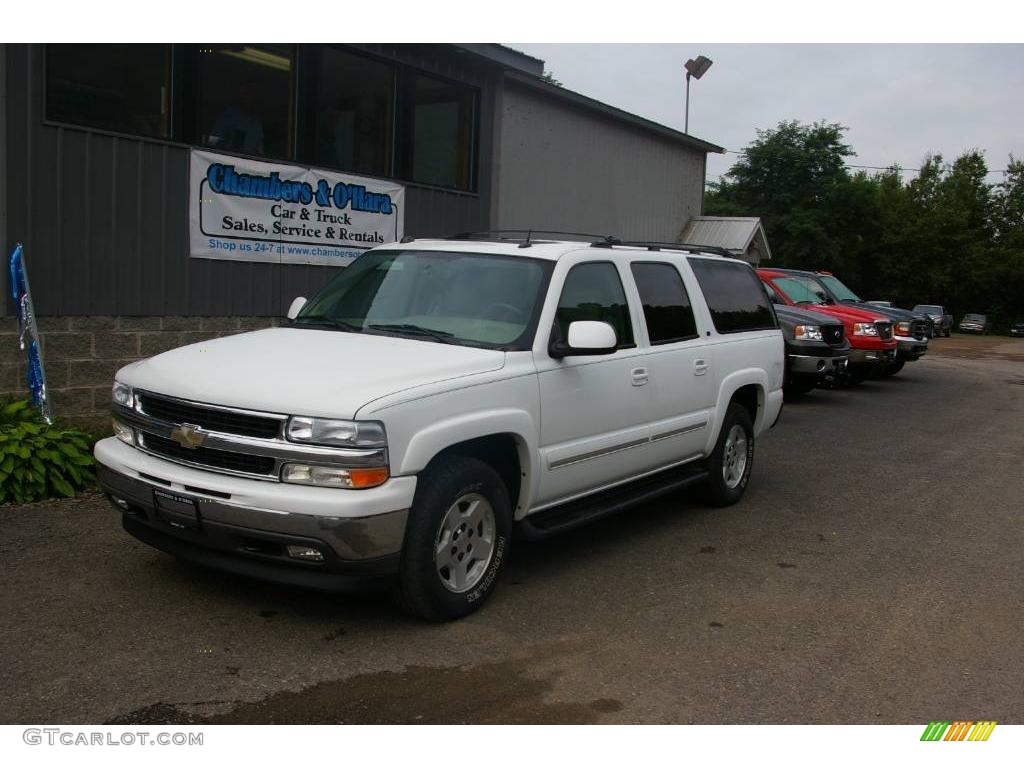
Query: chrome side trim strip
x=680 y=431
x=596 y=454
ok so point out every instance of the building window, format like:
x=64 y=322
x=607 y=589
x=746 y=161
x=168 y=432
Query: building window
x=123 y=88
x=444 y=116
x=667 y=309
x=352 y=115
x=245 y=98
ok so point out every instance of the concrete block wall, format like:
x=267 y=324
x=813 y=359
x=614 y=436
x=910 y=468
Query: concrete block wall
x=81 y=355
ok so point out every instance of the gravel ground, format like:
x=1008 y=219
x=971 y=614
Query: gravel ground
x=872 y=574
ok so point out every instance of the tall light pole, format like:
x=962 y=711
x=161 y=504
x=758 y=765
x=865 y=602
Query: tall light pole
x=694 y=68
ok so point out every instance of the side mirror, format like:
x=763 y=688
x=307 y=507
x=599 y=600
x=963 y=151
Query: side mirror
x=296 y=307
x=586 y=337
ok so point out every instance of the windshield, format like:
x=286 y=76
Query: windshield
x=975 y=318
x=457 y=298
x=840 y=291
x=928 y=309
x=801 y=290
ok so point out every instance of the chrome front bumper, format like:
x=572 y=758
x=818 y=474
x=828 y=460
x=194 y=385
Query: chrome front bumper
x=816 y=364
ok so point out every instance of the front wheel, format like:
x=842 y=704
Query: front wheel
x=893 y=368
x=456 y=540
x=732 y=459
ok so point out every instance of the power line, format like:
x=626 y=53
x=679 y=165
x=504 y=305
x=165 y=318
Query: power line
x=893 y=167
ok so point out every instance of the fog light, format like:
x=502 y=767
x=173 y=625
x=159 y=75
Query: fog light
x=120 y=502
x=333 y=477
x=821 y=365
x=299 y=552
x=123 y=432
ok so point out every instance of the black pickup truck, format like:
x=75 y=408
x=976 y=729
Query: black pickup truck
x=816 y=348
x=909 y=328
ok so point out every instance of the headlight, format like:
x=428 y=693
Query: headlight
x=348 y=434
x=864 y=329
x=808 y=332
x=903 y=328
x=333 y=477
x=122 y=395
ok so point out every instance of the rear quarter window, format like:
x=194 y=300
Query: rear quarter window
x=734 y=295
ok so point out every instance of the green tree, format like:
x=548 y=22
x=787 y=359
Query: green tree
x=793 y=177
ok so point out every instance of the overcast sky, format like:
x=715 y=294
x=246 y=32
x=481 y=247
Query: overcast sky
x=899 y=101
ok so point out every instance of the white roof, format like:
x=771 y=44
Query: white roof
x=734 y=233
x=539 y=248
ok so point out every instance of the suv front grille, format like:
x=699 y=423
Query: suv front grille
x=919 y=329
x=884 y=331
x=211 y=419
x=832 y=334
x=210 y=457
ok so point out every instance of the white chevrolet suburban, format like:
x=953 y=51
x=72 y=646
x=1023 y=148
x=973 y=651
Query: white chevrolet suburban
x=438 y=396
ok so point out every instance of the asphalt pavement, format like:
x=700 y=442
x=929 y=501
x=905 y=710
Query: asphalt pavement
x=873 y=573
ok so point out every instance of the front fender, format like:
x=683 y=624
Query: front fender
x=429 y=441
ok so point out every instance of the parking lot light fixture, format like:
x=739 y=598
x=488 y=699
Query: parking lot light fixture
x=694 y=68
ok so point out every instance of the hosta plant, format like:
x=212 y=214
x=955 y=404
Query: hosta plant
x=39 y=460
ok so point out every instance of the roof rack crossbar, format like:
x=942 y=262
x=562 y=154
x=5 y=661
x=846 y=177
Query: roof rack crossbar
x=687 y=247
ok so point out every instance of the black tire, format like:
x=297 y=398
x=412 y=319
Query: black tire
x=893 y=368
x=946 y=333
x=857 y=374
x=799 y=385
x=717 y=491
x=421 y=590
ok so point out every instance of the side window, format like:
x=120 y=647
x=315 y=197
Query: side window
x=667 y=309
x=594 y=292
x=734 y=295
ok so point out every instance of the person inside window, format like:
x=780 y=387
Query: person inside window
x=238 y=129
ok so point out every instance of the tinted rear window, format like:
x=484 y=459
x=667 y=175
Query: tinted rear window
x=734 y=295
x=667 y=310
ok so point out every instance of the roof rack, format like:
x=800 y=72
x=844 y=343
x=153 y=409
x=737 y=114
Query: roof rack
x=525 y=242
x=687 y=247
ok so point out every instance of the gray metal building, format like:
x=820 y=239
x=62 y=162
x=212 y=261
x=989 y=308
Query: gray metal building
x=95 y=144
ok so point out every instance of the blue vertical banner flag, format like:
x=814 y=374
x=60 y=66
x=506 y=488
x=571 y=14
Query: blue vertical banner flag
x=28 y=333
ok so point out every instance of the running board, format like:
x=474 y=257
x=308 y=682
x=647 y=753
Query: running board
x=582 y=511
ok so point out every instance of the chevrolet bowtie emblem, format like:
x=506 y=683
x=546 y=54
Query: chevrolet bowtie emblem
x=189 y=436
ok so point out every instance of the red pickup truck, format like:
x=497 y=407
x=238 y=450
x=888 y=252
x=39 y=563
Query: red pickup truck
x=872 y=344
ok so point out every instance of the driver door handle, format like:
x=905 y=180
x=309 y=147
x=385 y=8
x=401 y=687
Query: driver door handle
x=638 y=376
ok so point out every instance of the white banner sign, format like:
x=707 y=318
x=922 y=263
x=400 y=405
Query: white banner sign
x=246 y=210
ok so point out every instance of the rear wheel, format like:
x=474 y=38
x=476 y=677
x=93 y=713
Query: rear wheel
x=946 y=333
x=456 y=540
x=732 y=459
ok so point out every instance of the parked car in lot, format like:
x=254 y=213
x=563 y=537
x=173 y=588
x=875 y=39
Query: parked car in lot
x=1017 y=329
x=817 y=350
x=941 y=320
x=870 y=334
x=909 y=328
x=435 y=396
x=975 y=323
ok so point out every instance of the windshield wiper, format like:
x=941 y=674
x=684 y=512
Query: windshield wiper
x=333 y=322
x=442 y=336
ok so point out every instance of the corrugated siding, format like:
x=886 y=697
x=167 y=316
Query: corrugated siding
x=104 y=219
x=566 y=168
x=733 y=234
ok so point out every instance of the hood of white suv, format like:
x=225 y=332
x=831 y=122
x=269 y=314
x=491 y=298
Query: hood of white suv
x=304 y=371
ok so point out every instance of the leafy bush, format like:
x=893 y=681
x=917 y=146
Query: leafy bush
x=38 y=460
